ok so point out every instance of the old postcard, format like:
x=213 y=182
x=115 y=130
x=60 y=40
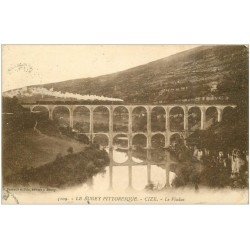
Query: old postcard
x=125 y=124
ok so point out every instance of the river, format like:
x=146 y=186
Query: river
x=134 y=170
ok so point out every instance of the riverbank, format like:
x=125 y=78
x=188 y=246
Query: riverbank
x=64 y=171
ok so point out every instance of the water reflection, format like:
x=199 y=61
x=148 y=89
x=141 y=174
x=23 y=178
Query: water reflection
x=135 y=169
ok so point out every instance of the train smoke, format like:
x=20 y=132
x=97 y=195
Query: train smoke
x=32 y=91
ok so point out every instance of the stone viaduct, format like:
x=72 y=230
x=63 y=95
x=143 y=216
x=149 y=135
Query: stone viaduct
x=130 y=108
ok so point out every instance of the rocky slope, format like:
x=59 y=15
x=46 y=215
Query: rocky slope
x=205 y=73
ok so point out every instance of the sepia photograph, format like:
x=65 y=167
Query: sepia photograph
x=125 y=124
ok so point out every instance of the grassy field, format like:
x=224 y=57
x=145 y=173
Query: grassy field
x=32 y=149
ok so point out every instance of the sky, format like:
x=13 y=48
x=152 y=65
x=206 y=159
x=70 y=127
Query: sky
x=25 y=65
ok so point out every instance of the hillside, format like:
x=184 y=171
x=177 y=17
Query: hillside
x=205 y=71
x=31 y=150
x=25 y=147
